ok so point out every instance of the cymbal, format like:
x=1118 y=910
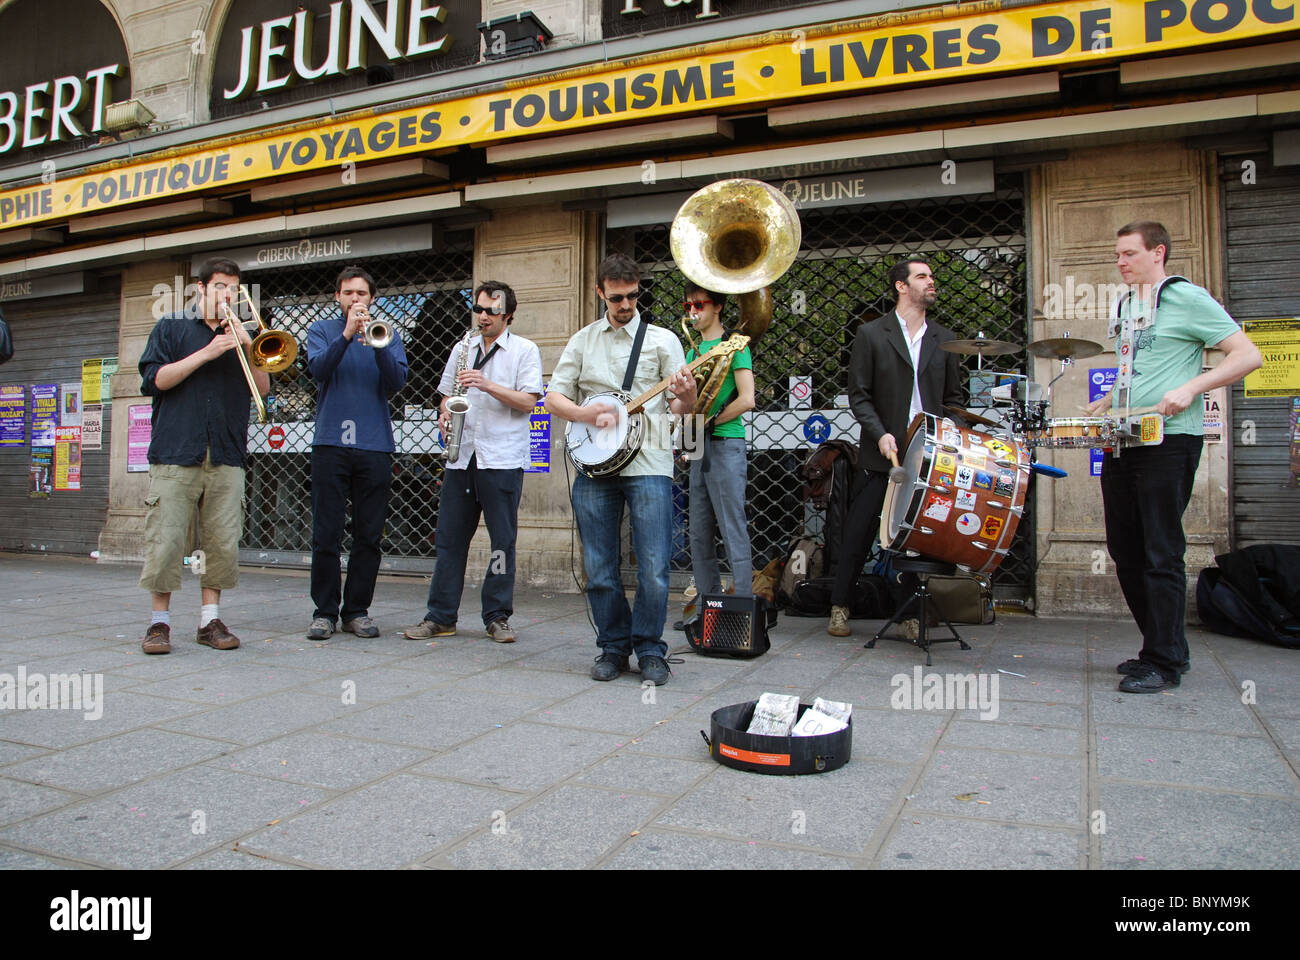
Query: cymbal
x=971 y=417
x=1065 y=348
x=979 y=347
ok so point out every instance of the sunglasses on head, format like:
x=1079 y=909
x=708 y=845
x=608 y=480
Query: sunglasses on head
x=492 y=309
x=620 y=297
x=694 y=304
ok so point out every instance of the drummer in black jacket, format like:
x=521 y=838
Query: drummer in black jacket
x=896 y=372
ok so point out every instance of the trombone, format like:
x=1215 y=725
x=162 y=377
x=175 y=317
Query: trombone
x=270 y=352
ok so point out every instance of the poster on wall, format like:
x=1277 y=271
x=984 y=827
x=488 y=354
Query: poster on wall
x=539 y=437
x=1279 y=344
x=1101 y=380
x=1295 y=441
x=70 y=405
x=91 y=378
x=107 y=371
x=45 y=413
x=92 y=426
x=41 y=477
x=67 y=458
x=13 y=416
x=139 y=430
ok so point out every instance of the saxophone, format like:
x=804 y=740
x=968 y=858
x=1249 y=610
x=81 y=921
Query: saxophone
x=457 y=404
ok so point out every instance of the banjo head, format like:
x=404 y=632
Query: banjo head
x=598 y=452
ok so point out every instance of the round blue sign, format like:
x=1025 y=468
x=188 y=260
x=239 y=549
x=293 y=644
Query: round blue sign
x=817 y=429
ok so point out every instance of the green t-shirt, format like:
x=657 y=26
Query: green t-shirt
x=1169 y=353
x=739 y=361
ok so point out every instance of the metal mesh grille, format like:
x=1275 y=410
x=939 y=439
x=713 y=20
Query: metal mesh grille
x=976 y=248
x=426 y=296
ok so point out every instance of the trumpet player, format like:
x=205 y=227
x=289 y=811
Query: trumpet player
x=499 y=374
x=197 y=452
x=356 y=372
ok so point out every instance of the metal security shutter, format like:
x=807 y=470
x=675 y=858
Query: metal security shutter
x=1262 y=222
x=51 y=338
x=976 y=246
x=426 y=294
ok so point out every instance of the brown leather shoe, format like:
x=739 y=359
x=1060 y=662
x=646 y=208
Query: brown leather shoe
x=216 y=636
x=157 y=639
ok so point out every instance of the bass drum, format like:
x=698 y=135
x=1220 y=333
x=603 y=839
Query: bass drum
x=962 y=497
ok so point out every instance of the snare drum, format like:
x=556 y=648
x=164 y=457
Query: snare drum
x=1074 y=432
x=962 y=497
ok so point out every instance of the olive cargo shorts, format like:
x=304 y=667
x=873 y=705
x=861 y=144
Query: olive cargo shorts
x=175 y=492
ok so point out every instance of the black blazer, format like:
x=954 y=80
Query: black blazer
x=880 y=382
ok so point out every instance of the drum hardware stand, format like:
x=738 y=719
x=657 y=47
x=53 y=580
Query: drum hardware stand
x=923 y=568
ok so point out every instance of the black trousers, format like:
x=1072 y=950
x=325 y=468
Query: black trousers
x=337 y=475
x=860 y=530
x=1145 y=492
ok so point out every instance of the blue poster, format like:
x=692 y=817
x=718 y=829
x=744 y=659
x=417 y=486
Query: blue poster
x=1100 y=382
x=539 y=437
x=13 y=416
x=45 y=413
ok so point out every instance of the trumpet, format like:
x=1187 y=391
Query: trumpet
x=376 y=333
x=271 y=350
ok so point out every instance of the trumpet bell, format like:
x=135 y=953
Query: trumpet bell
x=273 y=351
x=379 y=334
x=735 y=236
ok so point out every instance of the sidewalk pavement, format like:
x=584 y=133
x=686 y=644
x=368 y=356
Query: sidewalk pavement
x=470 y=754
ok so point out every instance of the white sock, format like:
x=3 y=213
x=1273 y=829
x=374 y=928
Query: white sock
x=207 y=613
x=161 y=616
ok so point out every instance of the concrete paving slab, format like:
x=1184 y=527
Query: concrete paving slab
x=16 y=752
x=434 y=720
x=571 y=828
x=232 y=681
x=1195 y=758
x=17 y=860
x=619 y=706
x=116 y=761
x=1016 y=737
x=151 y=825
x=20 y=800
x=523 y=756
x=925 y=842
x=1189 y=706
x=400 y=821
x=236 y=859
x=836 y=811
x=123 y=711
x=261 y=718
x=378 y=684
x=661 y=776
x=1042 y=790
x=1147 y=828
x=322 y=760
x=657 y=848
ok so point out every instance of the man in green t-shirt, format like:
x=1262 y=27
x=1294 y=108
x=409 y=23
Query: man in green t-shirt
x=1165 y=324
x=718 y=475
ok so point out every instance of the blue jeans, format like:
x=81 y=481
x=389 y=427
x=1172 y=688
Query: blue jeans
x=465 y=494
x=1144 y=493
x=598 y=507
x=718 y=500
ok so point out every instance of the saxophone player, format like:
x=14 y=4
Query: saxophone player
x=499 y=374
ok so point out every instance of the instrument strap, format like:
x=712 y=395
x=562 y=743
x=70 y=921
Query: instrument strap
x=481 y=362
x=631 y=360
x=1127 y=328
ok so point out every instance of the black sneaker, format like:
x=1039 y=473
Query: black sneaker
x=1151 y=681
x=654 y=669
x=608 y=666
x=1132 y=668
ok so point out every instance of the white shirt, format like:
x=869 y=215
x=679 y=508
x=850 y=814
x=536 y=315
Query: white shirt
x=595 y=361
x=914 y=346
x=496 y=432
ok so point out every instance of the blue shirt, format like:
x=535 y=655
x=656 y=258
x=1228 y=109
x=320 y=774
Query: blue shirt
x=208 y=410
x=354 y=383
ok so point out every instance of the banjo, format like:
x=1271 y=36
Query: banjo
x=603 y=451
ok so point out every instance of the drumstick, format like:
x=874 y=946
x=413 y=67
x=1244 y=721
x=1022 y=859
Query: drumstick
x=896 y=474
x=1125 y=414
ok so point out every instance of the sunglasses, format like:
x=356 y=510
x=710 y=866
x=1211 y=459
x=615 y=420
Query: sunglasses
x=493 y=309
x=620 y=297
x=694 y=304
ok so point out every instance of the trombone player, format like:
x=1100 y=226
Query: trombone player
x=197 y=451
x=358 y=363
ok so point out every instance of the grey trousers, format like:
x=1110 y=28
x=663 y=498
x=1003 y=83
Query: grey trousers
x=718 y=502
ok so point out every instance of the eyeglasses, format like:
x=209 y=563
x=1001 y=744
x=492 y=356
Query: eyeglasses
x=494 y=309
x=620 y=297
x=694 y=304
